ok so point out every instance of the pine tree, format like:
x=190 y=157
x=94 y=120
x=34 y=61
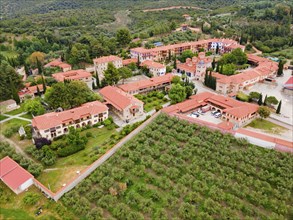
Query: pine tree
x=259 y=102
x=265 y=101
x=214 y=63
x=279 y=107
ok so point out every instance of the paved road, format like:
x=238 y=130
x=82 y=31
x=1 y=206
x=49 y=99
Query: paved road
x=17 y=148
x=15 y=116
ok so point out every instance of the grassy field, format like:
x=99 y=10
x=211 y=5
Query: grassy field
x=152 y=100
x=266 y=126
x=2 y=117
x=13 y=123
x=65 y=168
x=16 y=111
x=27 y=115
x=13 y=208
x=177 y=170
x=287 y=53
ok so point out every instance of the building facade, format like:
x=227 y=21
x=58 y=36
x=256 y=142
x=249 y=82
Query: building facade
x=147 y=85
x=155 y=68
x=124 y=105
x=101 y=64
x=30 y=91
x=58 y=63
x=55 y=124
x=80 y=75
x=195 y=68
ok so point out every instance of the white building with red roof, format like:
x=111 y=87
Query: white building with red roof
x=55 y=124
x=147 y=85
x=163 y=52
x=232 y=84
x=195 y=68
x=233 y=111
x=101 y=64
x=80 y=75
x=125 y=105
x=58 y=63
x=30 y=91
x=155 y=68
x=14 y=176
x=8 y=105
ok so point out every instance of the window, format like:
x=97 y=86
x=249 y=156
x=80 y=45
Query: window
x=46 y=131
x=58 y=127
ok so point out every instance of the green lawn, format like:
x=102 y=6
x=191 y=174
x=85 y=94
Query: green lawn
x=27 y=115
x=152 y=99
x=16 y=111
x=13 y=208
x=2 y=117
x=266 y=126
x=288 y=53
x=13 y=123
x=65 y=168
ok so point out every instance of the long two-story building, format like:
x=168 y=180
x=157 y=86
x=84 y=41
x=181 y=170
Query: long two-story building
x=55 y=124
x=101 y=64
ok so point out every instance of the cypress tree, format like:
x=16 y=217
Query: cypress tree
x=280 y=68
x=259 y=102
x=44 y=84
x=206 y=79
x=221 y=69
x=97 y=80
x=38 y=91
x=279 y=107
x=14 y=92
x=217 y=49
x=214 y=63
x=175 y=62
x=26 y=69
x=39 y=65
x=138 y=61
x=218 y=67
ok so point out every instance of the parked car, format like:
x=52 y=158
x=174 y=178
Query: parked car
x=199 y=111
x=218 y=115
x=195 y=113
x=214 y=112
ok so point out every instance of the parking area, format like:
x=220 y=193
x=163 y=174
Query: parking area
x=207 y=116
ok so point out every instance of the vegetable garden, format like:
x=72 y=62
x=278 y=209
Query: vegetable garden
x=190 y=173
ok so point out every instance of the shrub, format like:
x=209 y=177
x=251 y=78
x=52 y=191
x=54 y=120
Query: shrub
x=30 y=198
x=8 y=132
x=89 y=134
x=242 y=97
x=107 y=122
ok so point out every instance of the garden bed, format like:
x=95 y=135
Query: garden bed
x=152 y=100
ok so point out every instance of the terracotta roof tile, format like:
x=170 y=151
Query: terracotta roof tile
x=71 y=75
x=107 y=59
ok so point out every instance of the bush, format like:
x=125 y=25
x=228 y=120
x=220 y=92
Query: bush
x=30 y=198
x=69 y=150
x=107 y=122
x=242 y=97
x=8 y=132
x=89 y=134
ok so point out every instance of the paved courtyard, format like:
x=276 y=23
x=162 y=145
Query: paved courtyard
x=208 y=117
x=133 y=79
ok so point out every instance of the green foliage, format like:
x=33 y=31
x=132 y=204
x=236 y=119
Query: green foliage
x=111 y=74
x=264 y=112
x=123 y=37
x=74 y=142
x=10 y=82
x=172 y=176
x=176 y=80
x=254 y=95
x=242 y=97
x=44 y=155
x=279 y=108
x=125 y=73
x=186 y=54
x=177 y=93
x=280 y=68
x=210 y=81
x=34 y=107
x=32 y=167
x=272 y=100
x=260 y=102
x=30 y=198
x=74 y=93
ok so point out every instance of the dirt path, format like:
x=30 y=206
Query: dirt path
x=257 y=52
x=15 y=146
x=173 y=7
x=121 y=20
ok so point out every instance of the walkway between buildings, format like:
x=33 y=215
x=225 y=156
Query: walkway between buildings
x=86 y=172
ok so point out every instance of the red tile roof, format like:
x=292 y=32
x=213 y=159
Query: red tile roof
x=54 y=119
x=71 y=75
x=129 y=61
x=152 y=64
x=30 y=90
x=289 y=83
x=12 y=174
x=107 y=59
x=118 y=98
x=58 y=63
x=230 y=105
x=146 y=83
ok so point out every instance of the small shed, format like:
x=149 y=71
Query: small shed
x=14 y=176
x=8 y=105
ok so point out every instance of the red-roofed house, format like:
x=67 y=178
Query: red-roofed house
x=126 y=106
x=126 y=62
x=55 y=124
x=232 y=84
x=195 y=68
x=157 y=69
x=30 y=91
x=233 y=111
x=58 y=63
x=80 y=75
x=14 y=176
x=147 y=85
x=101 y=64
